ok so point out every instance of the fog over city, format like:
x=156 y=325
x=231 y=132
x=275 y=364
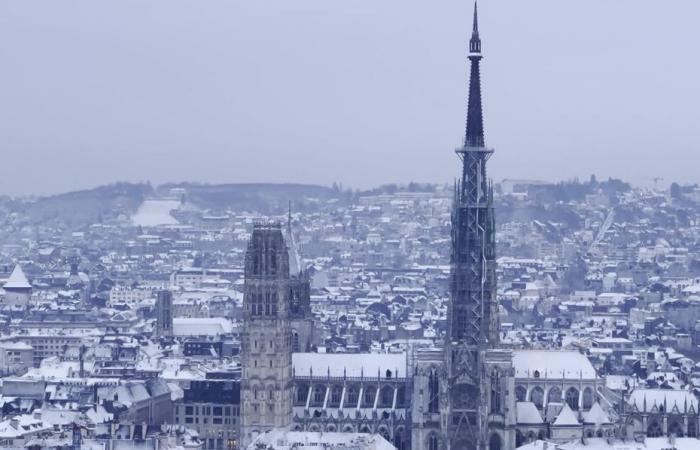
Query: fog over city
x=360 y=92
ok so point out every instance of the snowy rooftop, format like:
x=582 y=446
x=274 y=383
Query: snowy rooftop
x=281 y=439
x=350 y=364
x=17 y=280
x=213 y=326
x=651 y=400
x=552 y=364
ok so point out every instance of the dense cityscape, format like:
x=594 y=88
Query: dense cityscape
x=484 y=315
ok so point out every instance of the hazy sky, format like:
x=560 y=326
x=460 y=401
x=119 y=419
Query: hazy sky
x=360 y=92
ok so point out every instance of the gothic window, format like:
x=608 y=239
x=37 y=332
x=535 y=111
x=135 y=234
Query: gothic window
x=495 y=442
x=520 y=393
x=495 y=392
x=692 y=427
x=401 y=397
x=336 y=393
x=319 y=394
x=295 y=342
x=369 y=394
x=433 y=442
x=386 y=397
x=273 y=261
x=572 y=398
x=587 y=398
x=302 y=393
x=352 y=397
x=554 y=395
x=433 y=392
x=675 y=428
x=537 y=396
x=654 y=429
x=399 y=440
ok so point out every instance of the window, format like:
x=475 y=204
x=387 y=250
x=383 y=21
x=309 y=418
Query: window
x=369 y=395
x=352 y=397
x=217 y=410
x=433 y=442
x=319 y=394
x=572 y=398
x=433 y=392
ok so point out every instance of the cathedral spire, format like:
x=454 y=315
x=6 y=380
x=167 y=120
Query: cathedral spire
x=475 y=42
x=475 y=121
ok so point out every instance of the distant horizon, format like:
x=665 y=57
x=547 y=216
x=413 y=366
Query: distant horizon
x=662 y=186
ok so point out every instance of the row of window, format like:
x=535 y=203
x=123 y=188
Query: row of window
x=369 y=394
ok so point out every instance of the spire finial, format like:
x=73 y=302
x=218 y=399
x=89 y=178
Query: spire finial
x=475 y=41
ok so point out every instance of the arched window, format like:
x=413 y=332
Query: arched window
x=654 y=429
x=520 y=393
x=336 y=393
x=319 y=394
x=537 y=396
x=352 y=397
x=675 y=428
x=295 y=342
x=495 y=392
x=401 y=397
x=554 y=395
x=572 y=398
x=433 y=392
x=370 y=393
x=433 y=442
x=587 y=398
x=386 y=397
x=399 y=440
x=302 y=393
x=495 y=442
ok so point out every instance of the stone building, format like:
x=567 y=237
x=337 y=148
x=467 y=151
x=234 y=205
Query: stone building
x=266 y=357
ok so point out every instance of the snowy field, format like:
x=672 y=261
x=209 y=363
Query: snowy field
x=155 y=212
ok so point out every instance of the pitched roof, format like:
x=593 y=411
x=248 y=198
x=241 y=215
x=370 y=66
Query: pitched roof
x=17 y=280
x=527 y=413
x=566 y=418
x=596 y=415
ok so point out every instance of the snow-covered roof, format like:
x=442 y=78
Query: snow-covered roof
x=17 y=280
x=350 y=364
x=656 y=400
x=596 y=415
x=566 y=418
x=201 y=326
x=527 y=413
x=552 y=364
x=282 y=439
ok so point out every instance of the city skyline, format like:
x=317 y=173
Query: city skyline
x=98 y=95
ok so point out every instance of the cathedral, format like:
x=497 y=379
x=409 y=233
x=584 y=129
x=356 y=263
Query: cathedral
x=465 y=392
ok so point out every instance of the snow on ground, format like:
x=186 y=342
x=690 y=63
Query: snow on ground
x=155 y=212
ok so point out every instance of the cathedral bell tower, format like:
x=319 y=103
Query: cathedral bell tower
x=266 y=355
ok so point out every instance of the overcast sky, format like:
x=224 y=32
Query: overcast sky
x=359 y=92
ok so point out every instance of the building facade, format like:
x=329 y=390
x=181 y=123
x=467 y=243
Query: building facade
x=266 y=356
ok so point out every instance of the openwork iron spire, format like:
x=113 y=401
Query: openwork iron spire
x=475 y=120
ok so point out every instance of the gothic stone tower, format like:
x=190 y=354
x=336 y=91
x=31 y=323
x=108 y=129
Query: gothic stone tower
x=266 y=388
x=477 y=416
